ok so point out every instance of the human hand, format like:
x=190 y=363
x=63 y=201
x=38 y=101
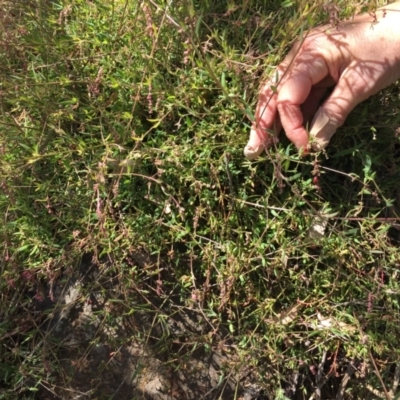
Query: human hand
x=358 y=59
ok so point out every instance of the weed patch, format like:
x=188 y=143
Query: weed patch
x=139 y=245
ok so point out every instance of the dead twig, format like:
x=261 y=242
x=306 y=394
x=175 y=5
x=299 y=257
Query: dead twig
x=346 y=378
x=387 y=395
x=319 y=380
x=396 y=381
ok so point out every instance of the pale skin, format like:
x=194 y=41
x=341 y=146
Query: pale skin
x=358 y=59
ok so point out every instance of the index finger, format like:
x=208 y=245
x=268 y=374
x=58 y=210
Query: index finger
x=308 y=69
x=265 y=118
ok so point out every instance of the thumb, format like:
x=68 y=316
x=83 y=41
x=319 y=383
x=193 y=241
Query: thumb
x=322 y=129
x=331 y=115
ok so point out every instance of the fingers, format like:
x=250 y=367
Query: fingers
x=311 y=105
x=348 y=92
x=261 y=140
x=305 y=78
x=267 y=123
x=284 y=106
x=297 y=93
x=358 y=68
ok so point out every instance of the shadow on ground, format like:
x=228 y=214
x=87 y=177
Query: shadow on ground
x=93 y=349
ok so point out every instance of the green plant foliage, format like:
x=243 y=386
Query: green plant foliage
x=122 y=129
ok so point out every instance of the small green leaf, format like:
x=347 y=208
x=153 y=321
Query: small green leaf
x=198 y=22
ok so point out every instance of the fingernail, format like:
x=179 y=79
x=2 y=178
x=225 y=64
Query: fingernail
x=322 y=129
x=254 y=146
x=252 y=152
